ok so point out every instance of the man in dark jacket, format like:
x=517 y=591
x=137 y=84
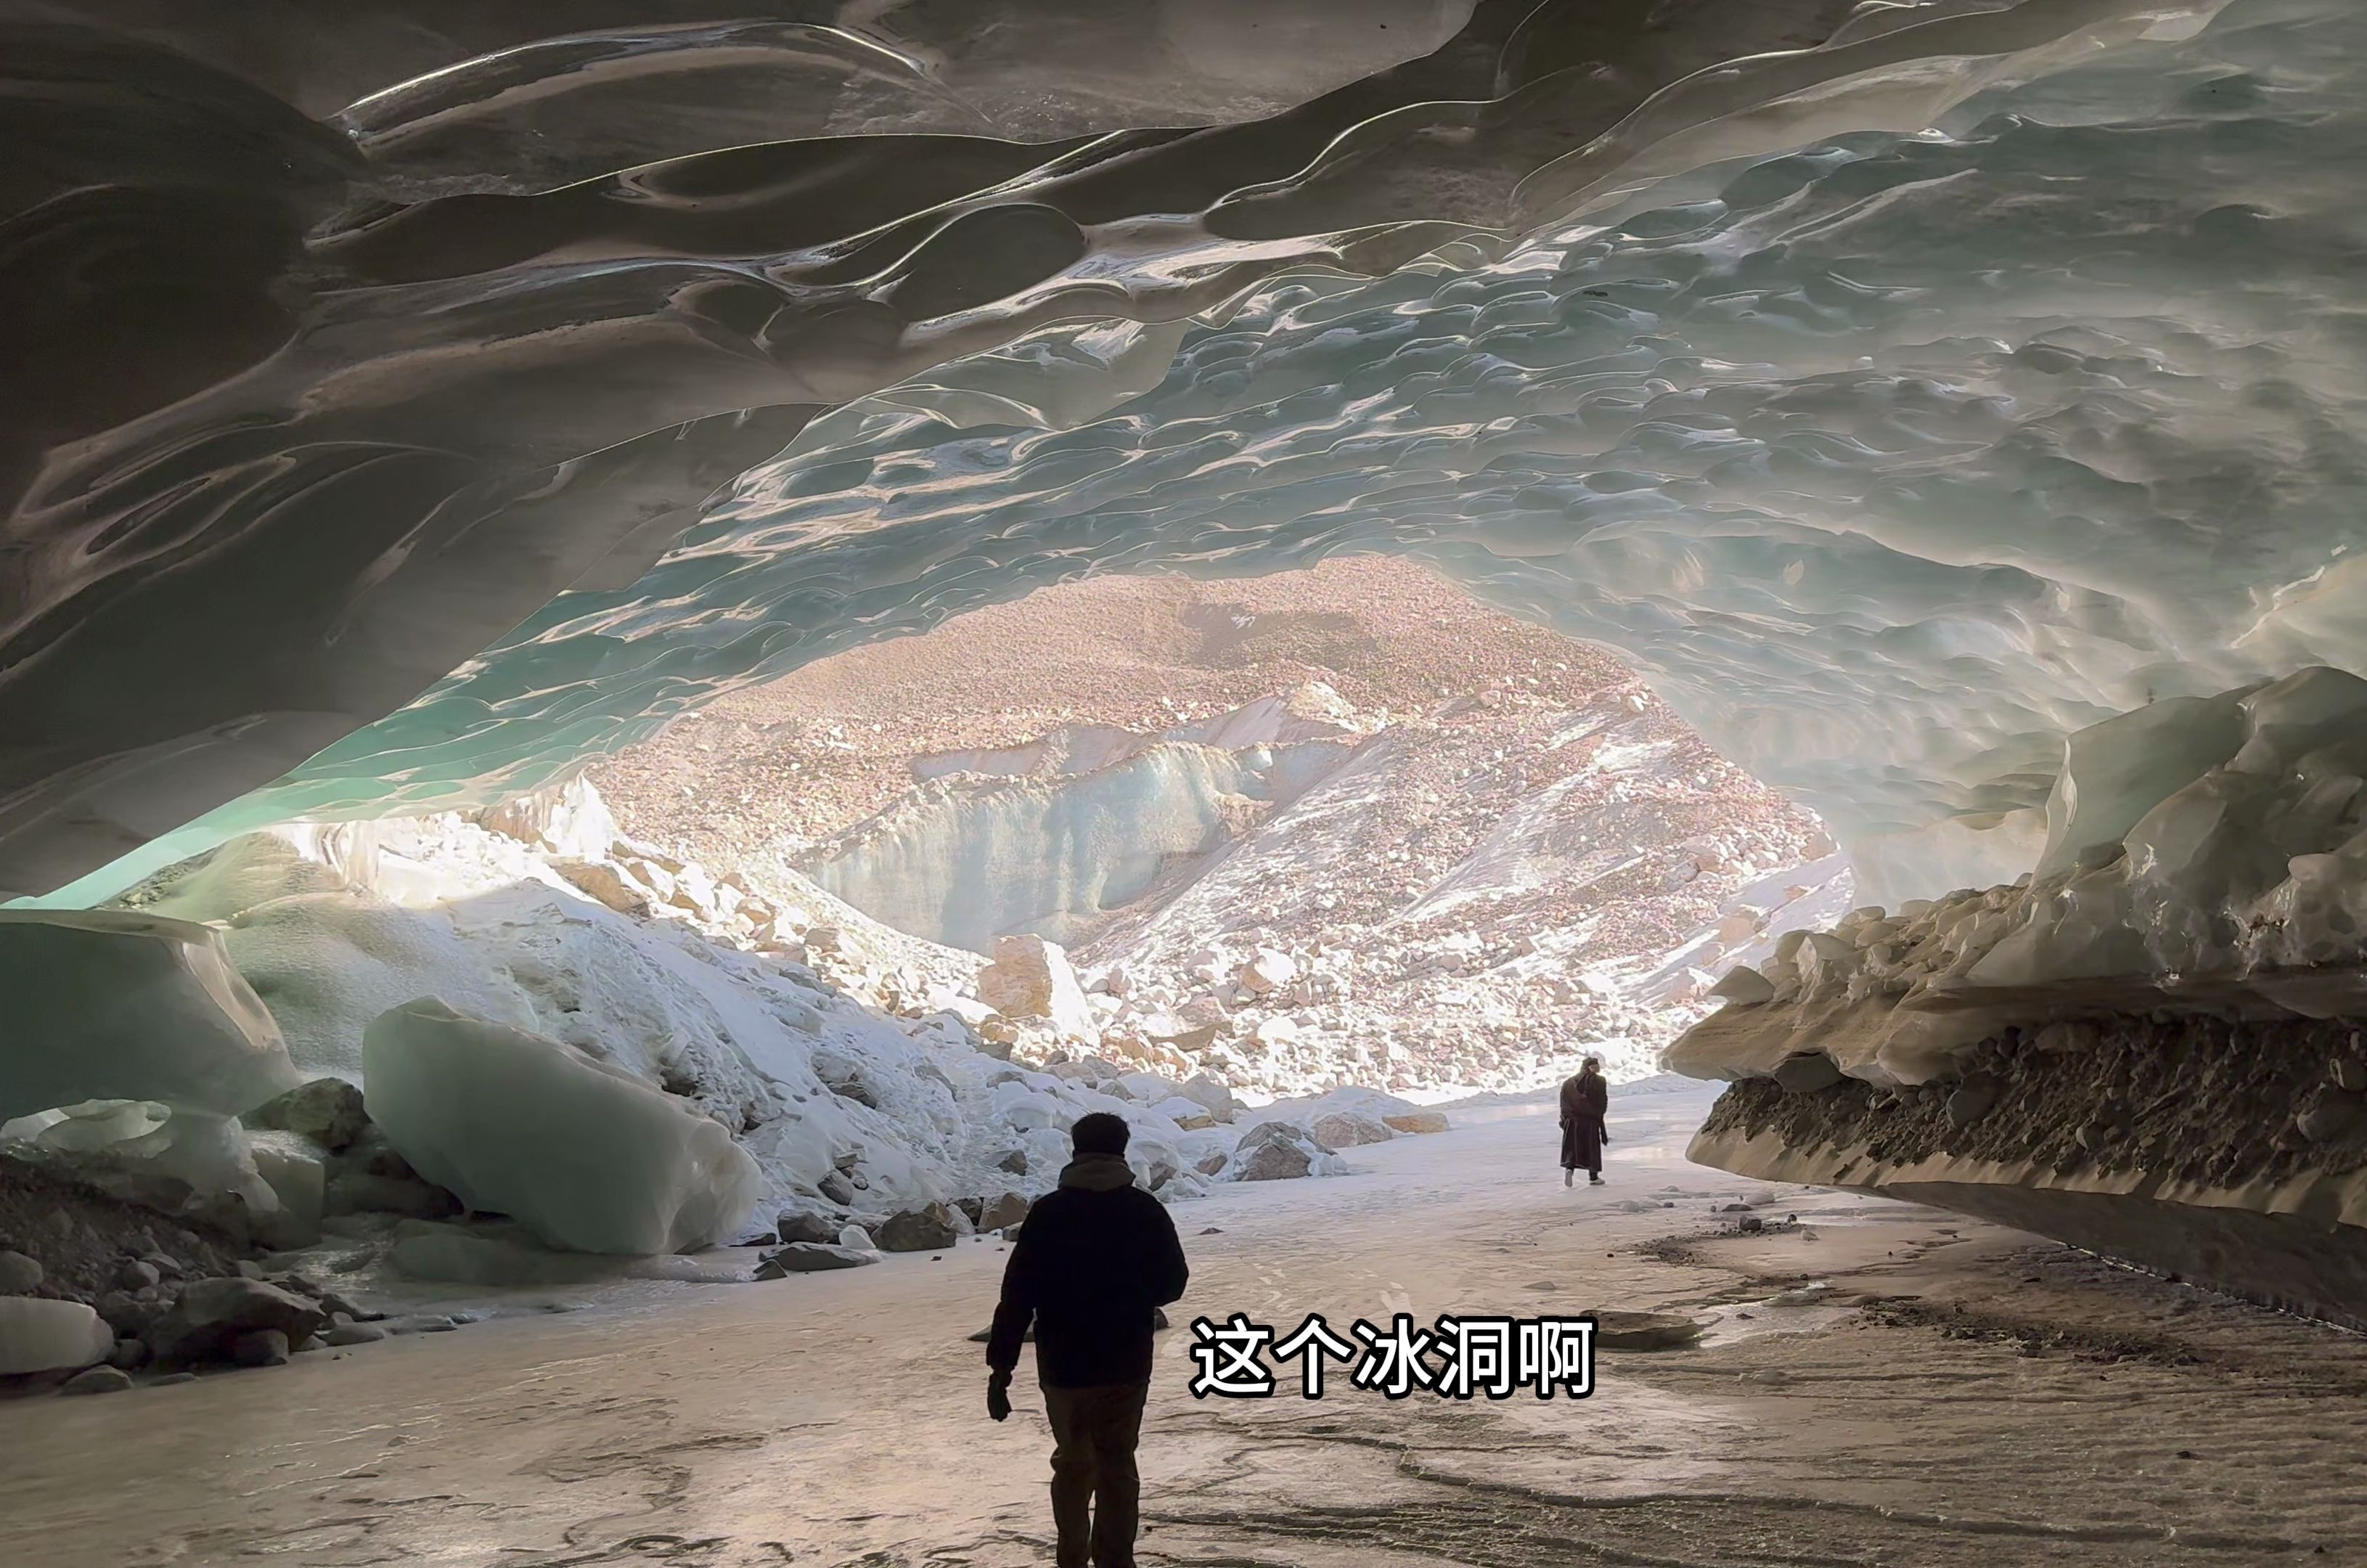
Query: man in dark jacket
x=1095 y=1260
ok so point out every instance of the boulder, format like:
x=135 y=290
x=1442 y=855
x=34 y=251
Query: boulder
x=116 y=1005
x=1268 y=969
x=260 y=1347
x=813 y=1257
x=806 y=1225
x=1211 y=1093
x=212 y=1315
x=1003 y=1211
x=291 y=1164
x=98 y=1379
x=581 y=1153
x=926 y=1229
x=19 y=1275
x=1030 y=978
x=40 y=1336
x=1972 y=1100
x=695 y=892
x=346 y=1334
x=1744 y=986
x=607 y=884
x=1189 y=1115
x=1806 y=1073
x=2334 y=1116
x=1415 y=1120
x=326 y=1110
x=1273 y=1162
x=131 y=1315
x=1737 y=927
x=1346 y=1129
x=566 y=819
x=1191 y=1029
x=1274 y=1151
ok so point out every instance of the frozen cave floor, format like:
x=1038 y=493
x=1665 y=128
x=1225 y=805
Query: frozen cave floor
x=1879 y=1382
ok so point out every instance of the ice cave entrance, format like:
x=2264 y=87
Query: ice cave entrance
x=1267 y=867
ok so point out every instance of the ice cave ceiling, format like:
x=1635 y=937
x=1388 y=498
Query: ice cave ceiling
x=406 y=399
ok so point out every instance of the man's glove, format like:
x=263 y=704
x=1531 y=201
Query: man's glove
x=998 y=1396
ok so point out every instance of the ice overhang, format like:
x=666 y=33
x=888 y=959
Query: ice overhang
x=1902 y=390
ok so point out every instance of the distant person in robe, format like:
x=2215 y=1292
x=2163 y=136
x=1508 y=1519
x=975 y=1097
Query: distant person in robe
x=1094 y=1261
x=1585 y=1098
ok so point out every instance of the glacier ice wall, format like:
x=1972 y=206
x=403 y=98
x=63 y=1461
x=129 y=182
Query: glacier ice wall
x=962 y=862
x=2019 y=389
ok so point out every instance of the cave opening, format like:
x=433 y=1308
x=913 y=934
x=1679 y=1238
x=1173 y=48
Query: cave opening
x=663 y=674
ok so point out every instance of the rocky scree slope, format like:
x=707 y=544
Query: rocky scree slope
x=1477 y=848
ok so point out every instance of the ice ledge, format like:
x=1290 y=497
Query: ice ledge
x=2299 y=1242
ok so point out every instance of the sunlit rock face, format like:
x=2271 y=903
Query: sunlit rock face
x=2018 y=390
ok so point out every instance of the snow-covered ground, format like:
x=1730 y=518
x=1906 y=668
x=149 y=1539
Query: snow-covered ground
x=1878 y=1383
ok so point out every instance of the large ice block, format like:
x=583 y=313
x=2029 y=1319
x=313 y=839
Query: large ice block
x=585 y=1156
x=113 y=1005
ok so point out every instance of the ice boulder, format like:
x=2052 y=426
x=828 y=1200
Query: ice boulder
x=584 y=1155
x=1030 y=978
x=147 y=1153
x=115 y=1005
x=41 y=1336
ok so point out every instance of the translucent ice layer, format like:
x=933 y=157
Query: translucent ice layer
x=2019 y=388
x=583 y=1154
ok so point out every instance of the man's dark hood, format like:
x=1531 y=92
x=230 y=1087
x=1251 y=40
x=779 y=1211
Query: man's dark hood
x=1097 y=1173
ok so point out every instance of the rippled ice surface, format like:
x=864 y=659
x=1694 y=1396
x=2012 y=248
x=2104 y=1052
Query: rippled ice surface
x=1891 y=461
